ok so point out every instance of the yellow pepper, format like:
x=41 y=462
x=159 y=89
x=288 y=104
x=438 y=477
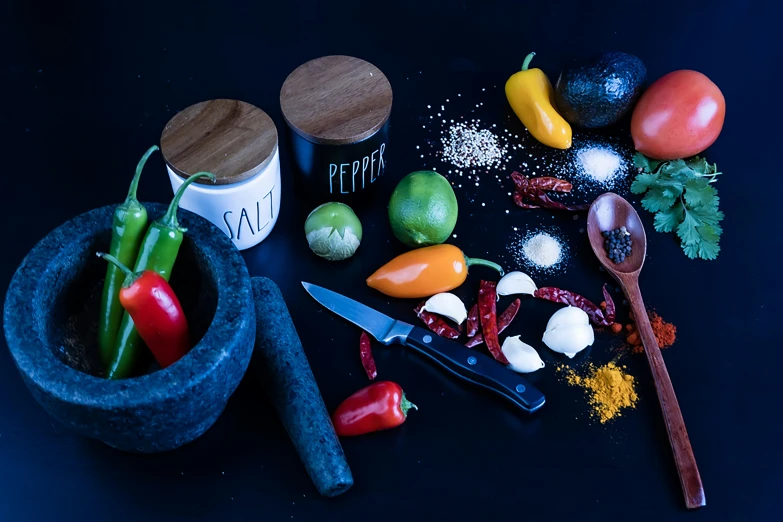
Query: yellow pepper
x=425 y=272
x=531 y=96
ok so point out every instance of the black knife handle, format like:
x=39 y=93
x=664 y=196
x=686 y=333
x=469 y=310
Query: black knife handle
x=477 y=368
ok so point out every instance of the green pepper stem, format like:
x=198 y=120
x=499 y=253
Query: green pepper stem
x=169 y=219
x=135 y=183
x=110 y=258
x=470 y=261
x=526 y=63
x=406 y=405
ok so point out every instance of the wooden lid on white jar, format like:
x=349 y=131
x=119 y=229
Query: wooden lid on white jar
x=336 y=100
x=232 y=139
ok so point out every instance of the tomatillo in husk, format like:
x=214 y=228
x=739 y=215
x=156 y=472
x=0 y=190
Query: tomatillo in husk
x=333 y=231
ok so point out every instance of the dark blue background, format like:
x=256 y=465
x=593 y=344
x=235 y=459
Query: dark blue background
x=86 y=88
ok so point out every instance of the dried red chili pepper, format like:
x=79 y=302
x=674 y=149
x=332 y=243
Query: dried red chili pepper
x=550 y=183
x=530 y=193
x=545 y=201
x=487 y=307
x=473 y=321
x=365 y=349
x=519 y=200
x=436 y=323
x=609 y=313
x=504 y=320
x=597 y=316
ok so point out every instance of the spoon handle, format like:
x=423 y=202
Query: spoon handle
x=690 y=479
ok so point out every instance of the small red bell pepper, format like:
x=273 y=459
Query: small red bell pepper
x=377 y=407
x=156 y=313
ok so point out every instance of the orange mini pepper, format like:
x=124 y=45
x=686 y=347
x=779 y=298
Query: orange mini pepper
x=425 y=272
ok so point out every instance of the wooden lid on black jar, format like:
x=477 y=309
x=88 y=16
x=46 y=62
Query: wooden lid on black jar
x=336 y=100
x=232 y=139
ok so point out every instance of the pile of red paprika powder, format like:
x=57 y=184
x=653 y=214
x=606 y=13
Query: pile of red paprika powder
x=665 y=333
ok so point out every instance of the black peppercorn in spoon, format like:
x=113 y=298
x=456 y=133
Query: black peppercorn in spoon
x=610 y=212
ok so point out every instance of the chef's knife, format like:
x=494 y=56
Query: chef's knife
x=463 y=362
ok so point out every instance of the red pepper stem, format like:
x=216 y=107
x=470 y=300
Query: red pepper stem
x=470 y=261
x=406 y=405
x=527 y=61
x=135 y=183
x=169 y=219
x=111 y=259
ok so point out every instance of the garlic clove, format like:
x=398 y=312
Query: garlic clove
x=568 y=331
x=570 y=315
x=522 y=357
x=516 y=283
x=448 y=305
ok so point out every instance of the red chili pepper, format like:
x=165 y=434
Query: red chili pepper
x=519 y=200
x=597 y=316
x=368 y=362
x=530 y=193
x=156 y=313
x=504 y=320
x=436 y=323
x=609 y=314
x=488 y=315
x=473 y=321
x=543 y=183
x=377 y=407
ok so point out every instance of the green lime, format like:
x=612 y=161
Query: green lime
x=423 y=209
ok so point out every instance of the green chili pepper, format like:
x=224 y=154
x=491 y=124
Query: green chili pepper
x=127 y=230
x=158 y=252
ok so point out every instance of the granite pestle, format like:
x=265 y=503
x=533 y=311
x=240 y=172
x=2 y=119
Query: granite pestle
x=292 y=389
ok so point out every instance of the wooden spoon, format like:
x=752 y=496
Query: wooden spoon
x=609 y=212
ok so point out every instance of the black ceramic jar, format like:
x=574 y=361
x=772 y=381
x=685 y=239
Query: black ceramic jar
x=337 y=109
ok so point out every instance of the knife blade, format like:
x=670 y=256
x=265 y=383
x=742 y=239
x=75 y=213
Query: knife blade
x=461 y=361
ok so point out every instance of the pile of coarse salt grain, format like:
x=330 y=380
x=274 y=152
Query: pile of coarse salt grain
x=540 y=250
x=466 y=146
x=599 y=164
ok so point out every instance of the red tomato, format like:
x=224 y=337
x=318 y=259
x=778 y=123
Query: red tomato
x=679 y=115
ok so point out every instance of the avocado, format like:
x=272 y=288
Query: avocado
x=598 y=91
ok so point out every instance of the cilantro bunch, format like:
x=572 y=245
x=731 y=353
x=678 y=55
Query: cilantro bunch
x=681 y=195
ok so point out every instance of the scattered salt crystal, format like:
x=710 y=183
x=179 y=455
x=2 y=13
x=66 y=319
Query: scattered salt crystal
x=542 y=249
x=598 y=163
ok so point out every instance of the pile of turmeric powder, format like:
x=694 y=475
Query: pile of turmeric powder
x=609 y=389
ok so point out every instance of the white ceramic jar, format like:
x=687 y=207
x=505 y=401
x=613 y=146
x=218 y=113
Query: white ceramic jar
x=237 y=142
